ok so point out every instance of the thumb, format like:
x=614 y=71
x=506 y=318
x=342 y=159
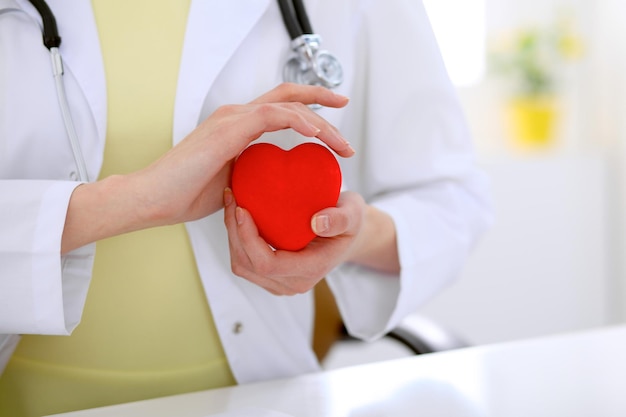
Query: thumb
x=345 y=218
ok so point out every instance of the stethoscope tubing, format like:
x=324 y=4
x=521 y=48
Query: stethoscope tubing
x=52 y=41
x=295 y=18
x=79 y=160
x=51 y=36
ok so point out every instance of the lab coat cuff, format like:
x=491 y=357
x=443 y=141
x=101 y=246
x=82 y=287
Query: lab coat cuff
x=372 y=302
x=432 y=251
x=368 y=298
x=60 y=283
x=42 y=289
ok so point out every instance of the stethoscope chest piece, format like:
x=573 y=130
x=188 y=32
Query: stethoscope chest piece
x=312 y=66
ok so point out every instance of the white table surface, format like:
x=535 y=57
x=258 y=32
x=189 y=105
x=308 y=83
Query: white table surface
x=578 y=374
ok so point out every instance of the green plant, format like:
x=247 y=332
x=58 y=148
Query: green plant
x=532 y=58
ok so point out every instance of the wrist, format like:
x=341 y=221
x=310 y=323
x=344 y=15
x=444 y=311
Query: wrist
x=105 y=208
x=376 y=246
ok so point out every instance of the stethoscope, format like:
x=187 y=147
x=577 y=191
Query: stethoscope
x=308 y=65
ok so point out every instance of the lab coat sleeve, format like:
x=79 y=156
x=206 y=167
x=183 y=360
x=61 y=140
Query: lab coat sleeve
x=41 y=292
x=415 y=162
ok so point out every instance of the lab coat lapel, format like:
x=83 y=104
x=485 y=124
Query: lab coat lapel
x=214 y=31
x=80 y=48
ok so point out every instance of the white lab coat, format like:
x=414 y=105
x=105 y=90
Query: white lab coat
x=414 y=161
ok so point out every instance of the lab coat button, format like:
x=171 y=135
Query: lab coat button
x=237 y=327
x=73 y=176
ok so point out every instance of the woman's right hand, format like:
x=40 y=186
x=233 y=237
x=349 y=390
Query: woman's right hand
x=187 y=182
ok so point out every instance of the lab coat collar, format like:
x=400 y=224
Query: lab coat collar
x=8 y=4
x=214 y=31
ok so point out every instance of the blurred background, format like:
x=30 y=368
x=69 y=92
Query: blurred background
x=543 y=83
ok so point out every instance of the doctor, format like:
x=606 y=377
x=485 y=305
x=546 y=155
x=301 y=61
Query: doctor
x=172 y=293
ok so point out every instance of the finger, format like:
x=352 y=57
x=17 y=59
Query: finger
x=261 y=258
x=272 y=117
x=329 y=223
x=240 y=262
x=249 y=122
x=238 y=258
x=281 y=272
x=345 y=218
x=306 y=94
x=259 y=252
x=278 y=272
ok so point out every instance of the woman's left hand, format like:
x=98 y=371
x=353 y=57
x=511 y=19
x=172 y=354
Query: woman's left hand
x=287 y=273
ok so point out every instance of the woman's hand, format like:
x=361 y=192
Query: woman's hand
x=188 y=181
x=339 y=231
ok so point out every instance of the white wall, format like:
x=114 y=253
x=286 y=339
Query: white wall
x=605 y=92
x=553 y=261
x=543 y=268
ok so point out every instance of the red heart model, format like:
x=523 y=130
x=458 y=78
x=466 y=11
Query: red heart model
x=282 y=190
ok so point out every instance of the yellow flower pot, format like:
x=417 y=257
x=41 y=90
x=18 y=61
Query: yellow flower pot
x=532 y=122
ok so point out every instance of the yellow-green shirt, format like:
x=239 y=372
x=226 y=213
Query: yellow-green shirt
x=146 y=330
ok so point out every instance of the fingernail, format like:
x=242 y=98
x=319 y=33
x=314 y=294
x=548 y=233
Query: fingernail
x=320 y=224
x=346 y=143
x=228 y=196
x=239 y=215
x=316 y=130
x=340 y=137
